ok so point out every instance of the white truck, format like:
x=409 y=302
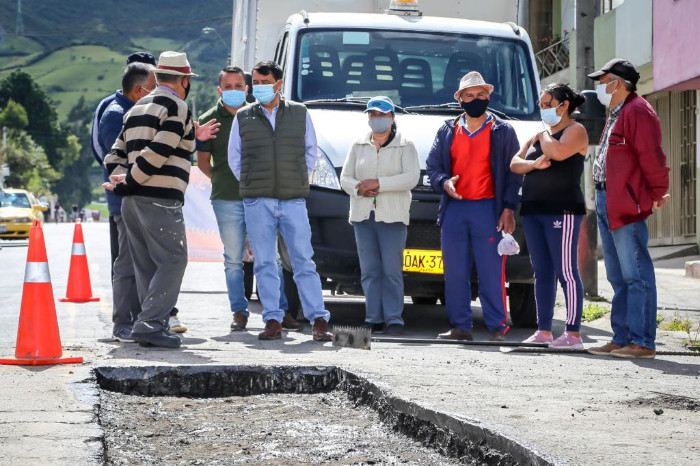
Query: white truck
x=336 y=54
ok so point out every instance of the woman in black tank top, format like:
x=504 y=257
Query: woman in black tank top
x=552 y=211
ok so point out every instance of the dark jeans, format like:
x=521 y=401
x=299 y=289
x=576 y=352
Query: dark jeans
x=552 y=241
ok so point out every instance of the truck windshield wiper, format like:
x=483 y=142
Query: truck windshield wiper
x=348 y=100
x=456 y=106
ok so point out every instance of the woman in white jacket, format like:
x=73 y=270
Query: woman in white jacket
x=379 y=172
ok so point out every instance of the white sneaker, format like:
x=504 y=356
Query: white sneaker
x=175 y=325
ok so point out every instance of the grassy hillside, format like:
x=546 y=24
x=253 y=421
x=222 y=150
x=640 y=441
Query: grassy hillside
x=77 y=48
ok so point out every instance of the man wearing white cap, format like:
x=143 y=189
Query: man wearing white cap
x=149 y=165
x=469 y=164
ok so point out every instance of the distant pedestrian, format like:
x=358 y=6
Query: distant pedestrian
x=631 y=179
x=379 y=172
x=469 y=165
x=552 y=209
x=272 y=150
x=56 y=209
x=156 y=146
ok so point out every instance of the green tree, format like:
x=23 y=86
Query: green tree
x=29 y=167
x=43 y=124
x=14 y=116
x=76 y=185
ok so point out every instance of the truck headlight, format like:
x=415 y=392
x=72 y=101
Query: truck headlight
x=324 y=174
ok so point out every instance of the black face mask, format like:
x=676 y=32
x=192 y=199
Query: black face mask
x=475 y=108
x=187 y=89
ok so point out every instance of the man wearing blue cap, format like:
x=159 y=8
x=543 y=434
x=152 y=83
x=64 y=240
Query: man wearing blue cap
x=113 y=201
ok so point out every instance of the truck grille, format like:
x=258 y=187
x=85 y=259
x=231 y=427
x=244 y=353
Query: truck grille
x=423 y=235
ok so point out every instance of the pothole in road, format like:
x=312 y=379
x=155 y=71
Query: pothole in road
x=668 y=401
x=281 y=415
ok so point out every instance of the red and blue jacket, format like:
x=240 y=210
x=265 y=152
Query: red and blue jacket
x=504 y=145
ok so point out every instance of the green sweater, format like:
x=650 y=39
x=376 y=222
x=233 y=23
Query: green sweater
x=224 y=186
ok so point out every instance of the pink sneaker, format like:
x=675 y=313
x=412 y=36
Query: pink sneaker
x=567 y=341
x=539 y=337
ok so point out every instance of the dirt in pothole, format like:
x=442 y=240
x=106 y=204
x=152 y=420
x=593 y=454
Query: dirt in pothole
x=261 y=429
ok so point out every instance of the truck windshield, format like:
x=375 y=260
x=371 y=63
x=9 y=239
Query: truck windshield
x=418 y=70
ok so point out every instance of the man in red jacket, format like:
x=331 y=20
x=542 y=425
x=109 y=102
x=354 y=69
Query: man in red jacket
x=631 y=179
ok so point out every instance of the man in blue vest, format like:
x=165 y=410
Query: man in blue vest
x=272 y=150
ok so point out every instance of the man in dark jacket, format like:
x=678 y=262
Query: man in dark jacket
x=137 y=81
x=99 y=152
x=469 y=165
x=631 y=179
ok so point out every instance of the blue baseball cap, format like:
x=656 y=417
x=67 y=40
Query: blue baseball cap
x=380 y=103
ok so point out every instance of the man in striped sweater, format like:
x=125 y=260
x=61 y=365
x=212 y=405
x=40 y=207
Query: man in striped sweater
x=149 y=165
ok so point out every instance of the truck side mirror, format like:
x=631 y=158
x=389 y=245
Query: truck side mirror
x=592 y=116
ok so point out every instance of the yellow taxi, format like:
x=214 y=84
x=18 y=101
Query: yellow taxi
x=18 y=209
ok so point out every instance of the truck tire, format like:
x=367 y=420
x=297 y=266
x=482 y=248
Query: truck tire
x=424 y=300
x=523 y=308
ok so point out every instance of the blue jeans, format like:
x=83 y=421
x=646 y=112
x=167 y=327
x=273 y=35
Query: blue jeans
x=230 y=217
x=630 y=271
x=380 y=247
x=265 y=217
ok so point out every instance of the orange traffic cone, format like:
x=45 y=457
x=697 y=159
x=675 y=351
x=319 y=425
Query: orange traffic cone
x=38 y=340
x=79 y=289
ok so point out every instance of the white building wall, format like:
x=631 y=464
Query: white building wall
x=633 y=31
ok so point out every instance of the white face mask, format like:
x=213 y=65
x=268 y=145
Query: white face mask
x=603 y=96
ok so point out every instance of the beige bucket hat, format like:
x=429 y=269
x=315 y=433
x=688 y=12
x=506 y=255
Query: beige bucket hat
x=472 y=79
x=174 y=63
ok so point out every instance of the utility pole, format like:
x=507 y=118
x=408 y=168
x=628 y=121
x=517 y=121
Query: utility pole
x=588 y=238
x=19 y=27
x=2 y=157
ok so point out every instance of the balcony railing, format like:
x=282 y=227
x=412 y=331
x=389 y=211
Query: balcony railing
x=554 y=58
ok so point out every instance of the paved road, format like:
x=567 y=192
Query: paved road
x=578 y=409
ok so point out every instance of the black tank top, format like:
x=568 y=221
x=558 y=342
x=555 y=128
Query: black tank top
x=555 y=190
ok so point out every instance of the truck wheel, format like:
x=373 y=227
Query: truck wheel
x=424 y=300
x=248 y=279
x=523 y=308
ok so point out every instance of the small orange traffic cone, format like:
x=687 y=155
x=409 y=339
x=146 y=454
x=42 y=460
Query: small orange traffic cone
x=79 y=289
x=38 y=340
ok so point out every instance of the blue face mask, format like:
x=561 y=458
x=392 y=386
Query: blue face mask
x=233 y=97
x=264 y=92
x=549 y=116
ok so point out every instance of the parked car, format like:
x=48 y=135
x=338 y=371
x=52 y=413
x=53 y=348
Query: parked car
x=18 y=210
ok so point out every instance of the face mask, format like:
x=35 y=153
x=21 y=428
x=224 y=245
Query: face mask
x=264 y=92
x=380 y=125
x=187 y=89
x=233 y=97
x=603 y=96
x=476 y=107
x=550 y=117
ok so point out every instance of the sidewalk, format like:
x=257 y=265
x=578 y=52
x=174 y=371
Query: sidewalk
x=579 y=409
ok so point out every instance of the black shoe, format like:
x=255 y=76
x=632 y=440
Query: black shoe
x=394 y=330
x=160 y=338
